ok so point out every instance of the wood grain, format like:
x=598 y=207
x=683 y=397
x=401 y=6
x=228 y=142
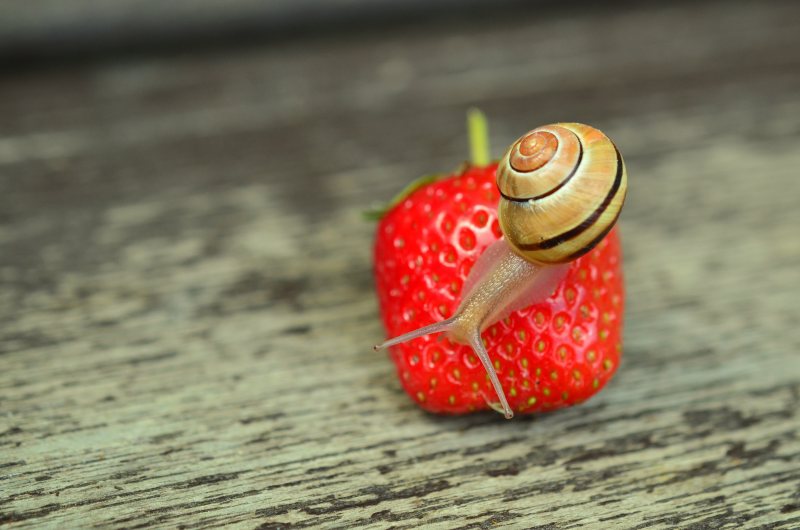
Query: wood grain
x=186 y=305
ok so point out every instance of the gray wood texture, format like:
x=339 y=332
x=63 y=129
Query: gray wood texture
x=186 y=303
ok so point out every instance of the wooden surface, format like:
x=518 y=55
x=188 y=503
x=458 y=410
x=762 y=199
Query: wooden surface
x=186 y=304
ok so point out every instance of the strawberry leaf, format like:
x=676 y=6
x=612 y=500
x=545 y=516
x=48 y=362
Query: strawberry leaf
x=377 y=213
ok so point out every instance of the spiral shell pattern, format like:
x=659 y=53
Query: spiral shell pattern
x=562 y=187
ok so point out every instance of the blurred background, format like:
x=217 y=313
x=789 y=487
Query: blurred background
x=52 y=29
x=108 y=104
x=183 y=262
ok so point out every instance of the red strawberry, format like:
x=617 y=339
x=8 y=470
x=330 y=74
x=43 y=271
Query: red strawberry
x=553 y=354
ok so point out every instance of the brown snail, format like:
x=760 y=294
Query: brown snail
x=562 y=188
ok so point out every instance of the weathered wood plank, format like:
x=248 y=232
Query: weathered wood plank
x=186 y=307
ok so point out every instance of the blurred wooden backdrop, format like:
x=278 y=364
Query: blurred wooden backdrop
x=186 y=305
x=48 y=30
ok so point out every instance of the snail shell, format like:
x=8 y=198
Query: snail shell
x=562 y=188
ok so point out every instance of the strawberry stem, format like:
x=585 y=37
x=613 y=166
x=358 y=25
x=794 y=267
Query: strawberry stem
x=478 y=131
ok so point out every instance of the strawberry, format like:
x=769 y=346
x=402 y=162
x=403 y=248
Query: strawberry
x=553 y=354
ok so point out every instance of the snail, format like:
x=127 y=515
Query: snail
x=562 y=187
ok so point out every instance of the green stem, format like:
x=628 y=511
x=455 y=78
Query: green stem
x=478 y=131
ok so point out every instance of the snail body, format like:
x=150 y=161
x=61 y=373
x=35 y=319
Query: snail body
x=562 y=188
